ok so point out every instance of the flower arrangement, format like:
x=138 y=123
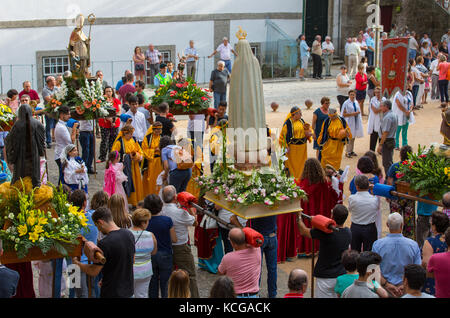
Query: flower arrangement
x=427 y=171
x=264 y=186
x=87 y=101
x=183 y=96
x=93 y=104
x=6 y=117
x=32 y=227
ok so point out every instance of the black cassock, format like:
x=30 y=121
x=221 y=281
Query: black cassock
x=25 y=144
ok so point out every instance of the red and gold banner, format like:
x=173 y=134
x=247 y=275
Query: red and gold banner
x=394 y=65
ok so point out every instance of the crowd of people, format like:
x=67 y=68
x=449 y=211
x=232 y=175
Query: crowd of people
x=140 y=221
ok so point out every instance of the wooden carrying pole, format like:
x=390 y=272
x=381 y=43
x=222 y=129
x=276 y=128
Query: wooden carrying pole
x=414 y=198
x=204 y=211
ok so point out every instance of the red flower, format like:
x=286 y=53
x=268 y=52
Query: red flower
x=179 y=85
x=399 y=175
x=405 y=162
x=204 y=98
x=195 y=85
x=422 y=156
x=161 y=85
x=79 y=110
x=413 y=163
x=177 y=101
x=184 y=103
x=186 y=84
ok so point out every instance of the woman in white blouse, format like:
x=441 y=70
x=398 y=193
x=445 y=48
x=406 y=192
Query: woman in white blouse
x=375 y=116
x=352 y=114
x=403 y=108
x=343 y=84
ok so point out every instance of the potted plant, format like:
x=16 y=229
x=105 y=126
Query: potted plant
x=183 y=98
x=425 y=173
x=33 y=230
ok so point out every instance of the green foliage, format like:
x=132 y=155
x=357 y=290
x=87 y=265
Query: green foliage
x=184 y=96
x=426 y=171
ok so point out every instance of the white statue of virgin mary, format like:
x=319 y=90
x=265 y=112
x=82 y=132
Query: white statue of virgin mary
x=247 y=117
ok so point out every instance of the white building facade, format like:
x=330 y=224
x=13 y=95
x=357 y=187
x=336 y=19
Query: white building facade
x=34 y=34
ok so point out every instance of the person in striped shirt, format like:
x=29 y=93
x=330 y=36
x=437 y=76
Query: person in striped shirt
x=146 y=246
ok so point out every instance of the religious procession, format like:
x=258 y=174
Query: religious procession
x=234 y=185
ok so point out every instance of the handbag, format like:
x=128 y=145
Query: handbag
x=208 y=223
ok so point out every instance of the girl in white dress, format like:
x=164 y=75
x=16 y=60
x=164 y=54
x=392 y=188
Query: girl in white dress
x=74 y=169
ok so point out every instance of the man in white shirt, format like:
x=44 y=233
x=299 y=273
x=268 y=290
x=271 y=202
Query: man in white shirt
x=362 y=46
x=191 y=59
x=435 y=78
x=363 y=208
x=347 y=44
x=63 y=137
x=225 y=50
x=413 y=45
x=138 y=120
x=327 y=53
x=353 y=58
x=182 y=219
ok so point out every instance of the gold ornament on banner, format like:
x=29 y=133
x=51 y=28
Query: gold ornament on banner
x=241 y=34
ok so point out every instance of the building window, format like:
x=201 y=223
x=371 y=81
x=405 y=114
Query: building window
x=166 y=56
x=54 y=65
x=254 y=49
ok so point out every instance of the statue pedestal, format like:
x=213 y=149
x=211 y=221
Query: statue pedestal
x=255 y=210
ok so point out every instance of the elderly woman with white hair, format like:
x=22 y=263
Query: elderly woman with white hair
x=396 y=251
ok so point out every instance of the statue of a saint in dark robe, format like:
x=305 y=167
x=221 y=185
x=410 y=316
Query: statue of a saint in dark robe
x=25 y=144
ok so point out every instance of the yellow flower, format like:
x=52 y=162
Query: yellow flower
x=73 y=210
x=22 y=229
x=34 y=237
x=38 y=229
x=31 y=220
x=42 y=221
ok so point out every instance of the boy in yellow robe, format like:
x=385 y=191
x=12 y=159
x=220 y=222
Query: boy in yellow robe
x=332 y=139
x=152 y=154
x=294 y=134
x=125 y=144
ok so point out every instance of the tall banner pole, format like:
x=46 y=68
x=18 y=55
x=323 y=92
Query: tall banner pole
x=377 y=34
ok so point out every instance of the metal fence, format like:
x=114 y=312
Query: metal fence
x=13 y=76
x=276 y=64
